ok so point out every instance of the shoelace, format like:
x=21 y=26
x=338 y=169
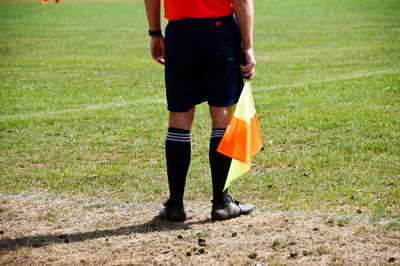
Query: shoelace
x=234 y=201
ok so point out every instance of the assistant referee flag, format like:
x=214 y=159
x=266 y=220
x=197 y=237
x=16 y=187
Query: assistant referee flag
x=242 y=139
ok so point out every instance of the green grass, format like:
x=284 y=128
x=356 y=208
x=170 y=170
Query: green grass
x=83 y=111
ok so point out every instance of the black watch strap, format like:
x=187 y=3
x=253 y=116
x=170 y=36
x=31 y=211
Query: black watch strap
x=155 y=32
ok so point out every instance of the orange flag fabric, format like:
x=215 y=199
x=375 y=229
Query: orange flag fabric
x=242 y=138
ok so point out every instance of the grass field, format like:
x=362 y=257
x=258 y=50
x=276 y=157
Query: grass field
x=83 y=111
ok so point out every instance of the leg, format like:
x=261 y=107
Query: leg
x=224 y=207
x=219 y=163
x=182 y=120
x=221 y=115
x=178 y=151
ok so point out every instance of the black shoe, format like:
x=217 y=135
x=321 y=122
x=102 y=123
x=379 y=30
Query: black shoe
x=224 y=211
x=173 y=213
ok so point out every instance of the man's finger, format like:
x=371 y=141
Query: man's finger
x=246 y=68
x=248 y=75
x=159 y=59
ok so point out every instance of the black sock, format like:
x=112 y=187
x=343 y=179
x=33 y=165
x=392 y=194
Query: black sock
x=177 y=152
x=219 y=164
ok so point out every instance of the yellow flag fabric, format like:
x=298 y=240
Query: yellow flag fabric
x=242 y=138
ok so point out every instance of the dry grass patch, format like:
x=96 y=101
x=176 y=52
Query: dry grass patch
x=35 y=230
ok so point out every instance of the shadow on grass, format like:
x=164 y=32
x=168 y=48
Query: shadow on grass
x=154 y=225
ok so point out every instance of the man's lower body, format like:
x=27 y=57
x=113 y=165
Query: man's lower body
x=201 y=64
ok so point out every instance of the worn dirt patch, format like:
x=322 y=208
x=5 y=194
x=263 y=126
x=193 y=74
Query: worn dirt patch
x=38 y=230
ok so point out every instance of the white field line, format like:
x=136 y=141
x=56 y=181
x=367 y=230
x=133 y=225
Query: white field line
x=347 y=77
x=147 y=100
x=83 y=109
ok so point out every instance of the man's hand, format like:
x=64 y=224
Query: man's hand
x=157 y=49
x=248 y=70
x=244 y=12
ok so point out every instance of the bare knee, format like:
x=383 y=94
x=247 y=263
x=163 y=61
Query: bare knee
x=182 y=120
x=221 y=116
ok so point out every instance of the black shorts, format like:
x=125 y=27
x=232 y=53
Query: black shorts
x=201 y=62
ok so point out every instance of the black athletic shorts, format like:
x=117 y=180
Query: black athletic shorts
x=201 y=62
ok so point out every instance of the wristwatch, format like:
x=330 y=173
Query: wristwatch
x=155 y=32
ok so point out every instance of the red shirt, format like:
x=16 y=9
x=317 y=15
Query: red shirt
x=179 y=9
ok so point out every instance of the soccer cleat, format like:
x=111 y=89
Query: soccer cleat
x=43 y=2
x=224 y=211
x=173 y=213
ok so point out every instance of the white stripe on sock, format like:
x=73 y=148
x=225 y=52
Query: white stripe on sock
x=217 y=133
x=180 y=137
x=174 y=138
x=178 y=140
x=179 y=134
